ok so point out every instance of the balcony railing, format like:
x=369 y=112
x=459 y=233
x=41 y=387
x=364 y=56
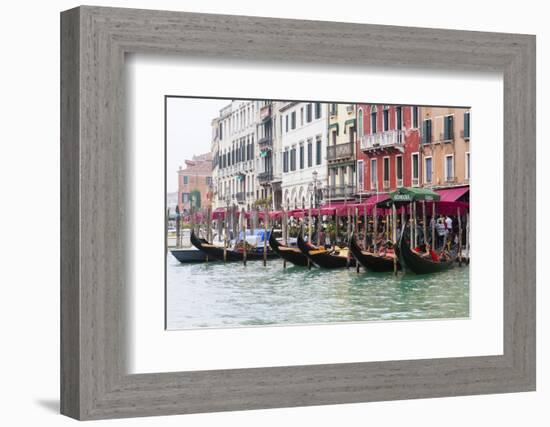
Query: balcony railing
x=265 y=177
x=266 y=141
x=387 y=139
x=341 y=191
x=340 y=151
x=386 y=185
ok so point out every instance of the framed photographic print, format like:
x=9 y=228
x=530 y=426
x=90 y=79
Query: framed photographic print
x=261 y=213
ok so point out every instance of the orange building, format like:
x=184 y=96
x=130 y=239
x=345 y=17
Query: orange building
x=445 y=147
x=195 y=183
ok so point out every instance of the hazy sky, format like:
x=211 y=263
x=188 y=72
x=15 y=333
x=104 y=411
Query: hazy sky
x=189 y=132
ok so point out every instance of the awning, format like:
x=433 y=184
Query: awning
x=413 y=194
x=452 y=194
x=219 y=213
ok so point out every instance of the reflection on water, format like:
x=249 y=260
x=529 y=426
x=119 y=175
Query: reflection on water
x=231 y=295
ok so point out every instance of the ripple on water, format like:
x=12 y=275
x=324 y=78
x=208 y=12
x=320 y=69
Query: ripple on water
x=215 y=295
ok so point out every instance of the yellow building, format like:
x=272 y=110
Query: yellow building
x=341 y=151
x=445 y=146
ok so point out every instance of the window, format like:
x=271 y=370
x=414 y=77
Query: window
x=318 y=150
x=373 y=174
x=285 y=161
x=309 y=153
x=302 y=156
x=467 y=172
x=185 y=180
x=360 y=175
x=373 y=118
x=398 y=118
x=448 y=128
x=286 y=121
x=414 y=160
x=415 y=117
x=293 y=159
x=386 y=119
x=399 y=170
x=317 y=110
x=334 y=134
x=208 y=180
x=360 y=123
x=308 y=113
x=427 y=131
x=449 y=168
x=428 y=170
x=386 y=170
x=293 y=120
x=185 y=197
x=467 y=125
x=302 y=116
x=333 y=109
x=221 y=131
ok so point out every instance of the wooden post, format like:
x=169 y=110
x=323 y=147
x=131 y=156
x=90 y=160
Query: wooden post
x=243 y=228
x=348 y=227
x=266 y=218
x=424 y=229
x=226 y=223
x=335 y=228
x=357 y=263
x=319 y=228
x=411 y=231
x=403 y=217
x=414 y=225
x=459 y=238
x=394 y=237
x=434 y=244
x=284 y=229
x=309 y=231
x=375 y=229
x=366 y=227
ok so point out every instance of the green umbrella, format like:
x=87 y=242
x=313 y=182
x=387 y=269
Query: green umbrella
x=413 y=194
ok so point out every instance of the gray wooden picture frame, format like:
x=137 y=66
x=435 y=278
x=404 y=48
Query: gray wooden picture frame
x=94 y=381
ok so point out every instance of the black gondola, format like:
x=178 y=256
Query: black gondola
x=231 y=254
x=419 y=264
x=370 y=260
x=324 y=258
x=293 y=255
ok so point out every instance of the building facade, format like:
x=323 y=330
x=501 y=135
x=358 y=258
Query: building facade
x=302 y=128
x=195 y=183
x=445 y=146
x=234 y=145
x=388 y=147
x=341 y=152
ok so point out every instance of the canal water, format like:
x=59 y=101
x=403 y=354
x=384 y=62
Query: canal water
x=214 y=295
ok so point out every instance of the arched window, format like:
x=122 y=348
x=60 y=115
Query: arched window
x=360 y=123
x=373 y=119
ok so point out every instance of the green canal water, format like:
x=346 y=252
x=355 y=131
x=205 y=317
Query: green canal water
x=215 y=295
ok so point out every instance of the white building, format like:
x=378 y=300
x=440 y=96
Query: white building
x=234 y=146
x=303 y=132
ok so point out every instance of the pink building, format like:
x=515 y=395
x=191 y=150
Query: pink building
x=195 y=183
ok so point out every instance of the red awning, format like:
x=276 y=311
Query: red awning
x=375 y=198
x=218 y=213
x=452 y=194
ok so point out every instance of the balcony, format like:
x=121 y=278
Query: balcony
x=341 y=191
x=383 y=140
x=265 y=142
x=340 y=151
x=265 y=177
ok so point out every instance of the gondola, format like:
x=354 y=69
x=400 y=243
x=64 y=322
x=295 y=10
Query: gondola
x=293 y=255
x=231 y=254
x=420 y=265
x=371 y=261
x=324 y=258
